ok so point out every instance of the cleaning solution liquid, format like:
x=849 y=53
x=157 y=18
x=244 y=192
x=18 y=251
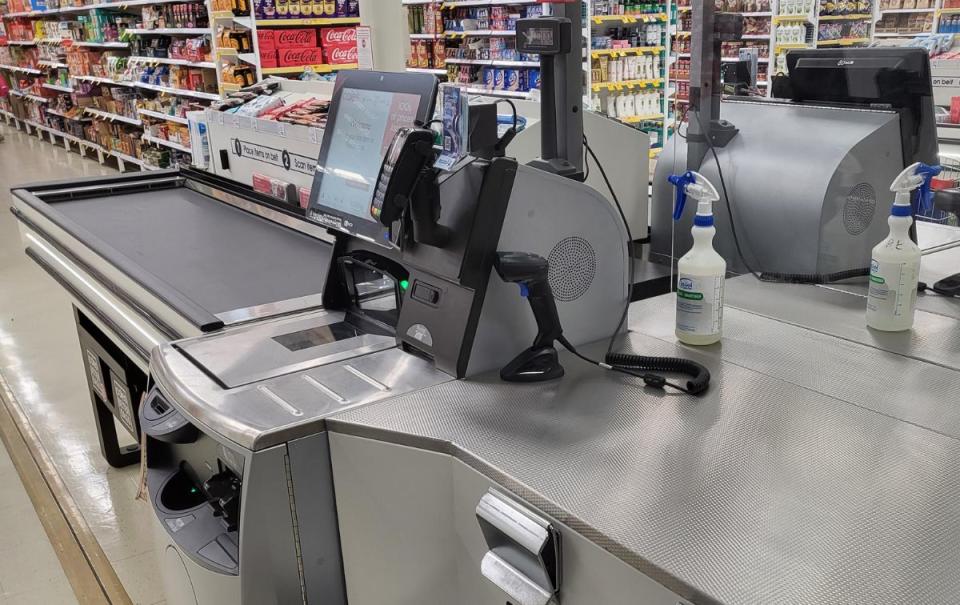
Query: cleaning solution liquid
x=895 y=262
x=701 y=271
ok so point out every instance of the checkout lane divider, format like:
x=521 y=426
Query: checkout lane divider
x=91 y=575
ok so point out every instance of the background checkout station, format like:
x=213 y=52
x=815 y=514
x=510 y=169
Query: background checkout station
x=389 y=419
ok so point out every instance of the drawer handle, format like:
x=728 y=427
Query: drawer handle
x=523 y=559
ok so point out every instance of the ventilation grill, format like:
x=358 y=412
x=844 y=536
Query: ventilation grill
x=573 y=265
x=859 y=209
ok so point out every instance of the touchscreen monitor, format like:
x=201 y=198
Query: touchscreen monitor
x=366 y=111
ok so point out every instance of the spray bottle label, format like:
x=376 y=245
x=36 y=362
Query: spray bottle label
x=699 y=304
x=893 y=290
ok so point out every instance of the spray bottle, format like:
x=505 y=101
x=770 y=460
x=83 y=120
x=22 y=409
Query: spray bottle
x=895 y=262
x=701 y=271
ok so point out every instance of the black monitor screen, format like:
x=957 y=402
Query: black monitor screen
x=898 y=78
x=366 y=111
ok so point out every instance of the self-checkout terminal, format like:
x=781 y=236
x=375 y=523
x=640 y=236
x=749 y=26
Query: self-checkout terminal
x=238 y=469
x=805 y=179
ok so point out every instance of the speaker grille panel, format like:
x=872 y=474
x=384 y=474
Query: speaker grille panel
x=859 y=208
x=573 y=265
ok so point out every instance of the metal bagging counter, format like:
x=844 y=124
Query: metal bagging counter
x=820 y=467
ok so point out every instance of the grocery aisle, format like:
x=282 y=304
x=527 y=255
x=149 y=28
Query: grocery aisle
x=40 y=359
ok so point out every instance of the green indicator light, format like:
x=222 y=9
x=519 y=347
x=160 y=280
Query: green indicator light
x=193 y=490
x=404 y=284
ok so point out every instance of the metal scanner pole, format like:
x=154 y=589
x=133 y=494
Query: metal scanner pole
x=569 y=90
x=704 y=83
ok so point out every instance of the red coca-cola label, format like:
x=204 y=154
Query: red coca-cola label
x=341 y=56
x=266 y=39
x=268 y=58
x=289 y=57
x=296 y=38
x=339 y=36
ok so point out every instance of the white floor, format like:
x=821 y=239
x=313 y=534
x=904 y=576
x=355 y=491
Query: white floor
x=30 y=572
x=40 y=358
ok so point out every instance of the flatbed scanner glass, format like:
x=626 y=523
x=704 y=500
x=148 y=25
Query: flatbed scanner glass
x=315 y=337
x=265 y=350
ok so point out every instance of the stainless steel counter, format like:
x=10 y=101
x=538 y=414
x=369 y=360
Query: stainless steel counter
x=941 y=249
x=819 y=468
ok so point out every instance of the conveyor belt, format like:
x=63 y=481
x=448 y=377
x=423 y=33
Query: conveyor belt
x=218 y=256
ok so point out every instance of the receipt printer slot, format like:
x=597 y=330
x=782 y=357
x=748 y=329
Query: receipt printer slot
x=425 y=293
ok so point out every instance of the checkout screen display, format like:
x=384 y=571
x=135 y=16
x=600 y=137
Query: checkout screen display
x=366 y=123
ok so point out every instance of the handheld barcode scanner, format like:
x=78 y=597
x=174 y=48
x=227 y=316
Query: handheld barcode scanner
x=539 y=361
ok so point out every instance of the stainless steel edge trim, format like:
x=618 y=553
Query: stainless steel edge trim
x=173 y=180
x=297 y=224
x=824 y=105
x=186 y=402
x=129 y=341
x=99 y=278
x=283 y=307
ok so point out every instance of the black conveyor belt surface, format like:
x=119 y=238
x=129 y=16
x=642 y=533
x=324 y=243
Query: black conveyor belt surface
x=218 y=256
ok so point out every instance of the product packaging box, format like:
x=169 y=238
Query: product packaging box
x=266 y=39
x=268 y=58
x=342 y=37
x=296 y=38
x=340 y=56
x=291 y=57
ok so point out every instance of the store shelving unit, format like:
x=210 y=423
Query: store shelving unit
x=69 y=142
x=854 y=29
x=321 y=68
x=794 y=27
x=161 y=116
x=443 y=40
x=112 y=117
x=630 y=77
x=319 y=22
x=253 y=24
x=946 y=16
x=166 y=143
x=52 y=75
